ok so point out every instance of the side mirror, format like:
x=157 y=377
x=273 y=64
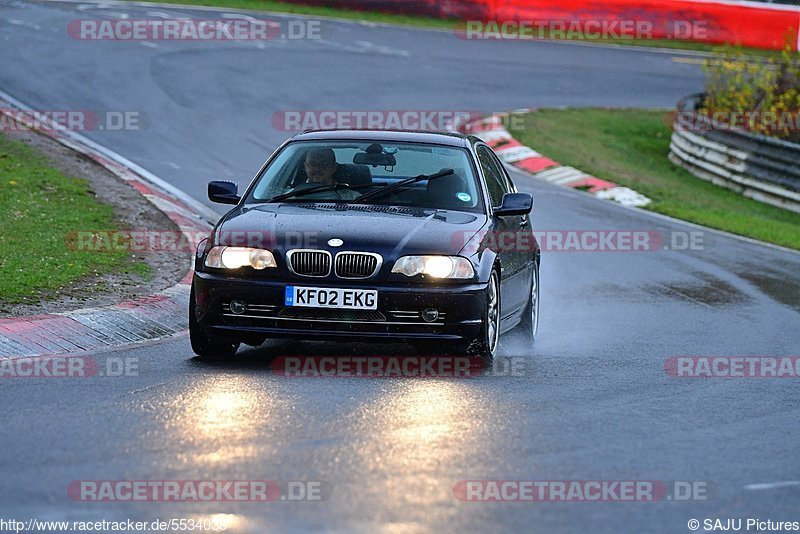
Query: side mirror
x=514 y=204
x=223 y=192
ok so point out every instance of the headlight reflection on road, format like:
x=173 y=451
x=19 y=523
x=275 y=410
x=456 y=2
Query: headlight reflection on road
x=219 y=421
x=222 y=411
x=423 y=430
x=427 y=409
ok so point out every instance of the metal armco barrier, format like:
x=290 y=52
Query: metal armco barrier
x=758 y=167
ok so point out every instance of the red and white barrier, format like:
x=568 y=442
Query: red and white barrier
x=492 y=131
x=753 y=24
x=745 y=23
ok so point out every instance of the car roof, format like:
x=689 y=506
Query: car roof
x=410 y=136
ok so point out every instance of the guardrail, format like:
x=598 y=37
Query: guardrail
x=758 y=167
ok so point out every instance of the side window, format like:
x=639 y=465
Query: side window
x=495 y=179
x=509 y=185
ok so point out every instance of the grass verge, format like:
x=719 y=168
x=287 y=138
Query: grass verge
x=39 y=208
x=630 y=147
x=425 y=22
x=320 y=11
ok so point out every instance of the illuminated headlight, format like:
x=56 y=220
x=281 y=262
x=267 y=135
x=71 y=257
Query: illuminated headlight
x=434 y=266
x=236 y=257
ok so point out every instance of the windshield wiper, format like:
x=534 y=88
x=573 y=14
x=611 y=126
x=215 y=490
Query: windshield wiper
x=316 y=189
x=388 y=188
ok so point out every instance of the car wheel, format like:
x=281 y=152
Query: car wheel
x=528 y=326
x=204 y=344
x=486 y=344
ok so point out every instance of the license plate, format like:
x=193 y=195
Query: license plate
x=320 y=297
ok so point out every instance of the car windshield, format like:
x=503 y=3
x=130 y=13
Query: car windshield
x=345 y=171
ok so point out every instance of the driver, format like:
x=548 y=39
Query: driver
x=320 y=165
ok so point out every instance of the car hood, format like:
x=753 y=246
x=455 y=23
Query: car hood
x=389 y=231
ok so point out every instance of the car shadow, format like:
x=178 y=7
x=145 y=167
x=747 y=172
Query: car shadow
x=271 y=357
x=261 y=358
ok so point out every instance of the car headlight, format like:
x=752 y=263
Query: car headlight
x=222 y=257
x=435 y=266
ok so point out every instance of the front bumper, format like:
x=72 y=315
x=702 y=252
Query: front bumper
x=460 y=306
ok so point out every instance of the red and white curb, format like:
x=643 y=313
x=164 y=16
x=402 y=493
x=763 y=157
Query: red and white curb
x=492 y=131
x=156 y=316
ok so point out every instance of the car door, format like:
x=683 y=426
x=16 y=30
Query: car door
x=514 y=284
x=526 y=241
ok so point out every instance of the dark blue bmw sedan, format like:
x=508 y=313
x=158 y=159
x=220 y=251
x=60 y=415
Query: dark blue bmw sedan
x=347 y=235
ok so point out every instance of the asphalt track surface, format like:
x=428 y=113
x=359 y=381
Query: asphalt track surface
x=597 y=405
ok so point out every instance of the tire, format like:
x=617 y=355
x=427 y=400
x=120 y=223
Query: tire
x=485 y=345
x=528 y=326
x=204 y=344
